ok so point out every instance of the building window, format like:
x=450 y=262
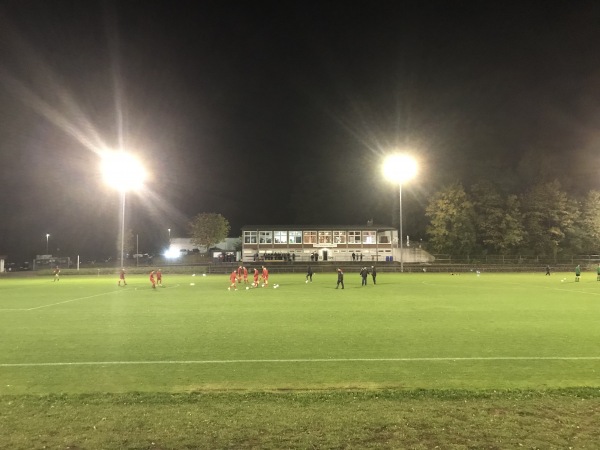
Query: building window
x=339 y=237
x=324 y=237
x=249 y=237
x=384 y=239
x=295 y=237
x=369 y=237
x=353 y=237
x=310 y=237
x=265 y=237
x=281 y=237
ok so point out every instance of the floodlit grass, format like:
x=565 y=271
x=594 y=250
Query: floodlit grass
x=508 y=359
x=493 y=331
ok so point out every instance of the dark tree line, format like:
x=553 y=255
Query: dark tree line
x=544 y=221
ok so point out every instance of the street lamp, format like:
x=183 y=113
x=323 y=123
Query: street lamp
x=123 y=172
x=399 y=169
x=47 y=237
x=169 y=230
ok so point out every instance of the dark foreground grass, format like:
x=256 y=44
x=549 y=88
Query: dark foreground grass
x=420 y=419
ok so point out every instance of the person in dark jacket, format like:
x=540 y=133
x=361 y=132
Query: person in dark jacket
x=364 y=273
x=340 y=278
x=374 y=274
x=309 y=274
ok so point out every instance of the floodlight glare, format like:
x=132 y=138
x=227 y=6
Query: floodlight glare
x=172 y=253
x=400 y=168
x=122 y=171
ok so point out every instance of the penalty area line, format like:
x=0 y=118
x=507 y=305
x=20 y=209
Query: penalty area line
x=318 y=360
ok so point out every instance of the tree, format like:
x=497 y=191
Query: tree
x=586 y=235
x=548 y=216
x=512 y=231
x=488 y=206
x=452 y=221
x=206 y=229
x=499 y=219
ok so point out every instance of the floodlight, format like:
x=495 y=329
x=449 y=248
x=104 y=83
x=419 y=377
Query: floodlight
x=400 y=168
x=122 y=171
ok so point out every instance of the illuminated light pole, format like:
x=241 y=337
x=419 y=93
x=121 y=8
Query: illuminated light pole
x=169 y=230
x=399 y=169
x=47 y=237
x=123 y=172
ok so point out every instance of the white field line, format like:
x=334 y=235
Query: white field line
x=60 y=303
x=79 y=298
x=317 y=360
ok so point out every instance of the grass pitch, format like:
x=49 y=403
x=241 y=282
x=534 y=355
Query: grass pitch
x=410 y=331
x=418 y=361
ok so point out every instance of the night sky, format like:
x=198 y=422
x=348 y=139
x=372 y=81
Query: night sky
x=282 y=112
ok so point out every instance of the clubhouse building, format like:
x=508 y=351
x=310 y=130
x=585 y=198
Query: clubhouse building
x=326 y=243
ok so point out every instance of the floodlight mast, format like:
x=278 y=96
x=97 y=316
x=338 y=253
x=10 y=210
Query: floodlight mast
x=123 y=172
x=122 y=194
x=400 y=168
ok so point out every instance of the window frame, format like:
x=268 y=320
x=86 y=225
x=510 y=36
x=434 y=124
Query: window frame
x=354 y=237
x=248 y=235
x=294 y=237
x=265 y=237
x=277 y=237
x=309 y=237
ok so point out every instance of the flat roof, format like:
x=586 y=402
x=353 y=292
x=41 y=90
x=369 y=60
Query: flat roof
x=319 y=227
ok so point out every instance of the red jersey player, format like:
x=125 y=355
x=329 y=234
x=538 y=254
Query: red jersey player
x=265 y=276
x=233 y=280
x=122 y=278
x=245 y=274
x=255 y=284
x=159 y=277
x=152 y=280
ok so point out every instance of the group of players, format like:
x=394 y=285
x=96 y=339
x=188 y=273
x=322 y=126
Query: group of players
x=240 y=275
x=155 y=278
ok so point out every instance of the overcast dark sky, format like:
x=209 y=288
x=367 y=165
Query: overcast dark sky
x=282 y=112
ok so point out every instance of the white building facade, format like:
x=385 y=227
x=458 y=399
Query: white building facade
x=321 y=243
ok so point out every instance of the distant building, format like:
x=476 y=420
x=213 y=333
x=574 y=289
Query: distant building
x=45 y=261
x=368 y=243
x=184 y=246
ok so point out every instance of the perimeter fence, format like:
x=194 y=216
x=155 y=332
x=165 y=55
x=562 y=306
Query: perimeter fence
x=441 y=264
